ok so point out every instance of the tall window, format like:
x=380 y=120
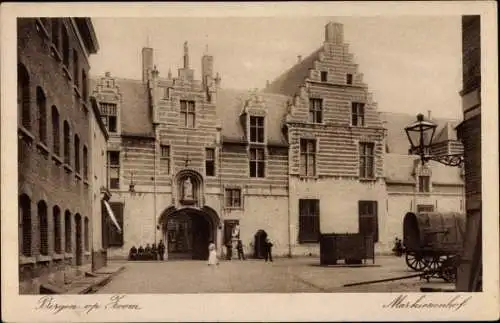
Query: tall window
x=85 y=163
x=366 y=158
x=86 y=234
x=109 y=116
x=55 y=32
x=67 y=232
x=56 y=132
x=308 y=220
x=25 y=223
x=85 y=90
x=77 y=154
x=424 y=184
x=114 y=169
x=307 y=157
x=324 y=76
x=210 y=162
x=257 y=162
x=43 y=228
x=166 y=93
x=41 y=103
x=76 y=68
x=67 y=158
x=357 y=114
x=187 y=113
x=425 y=208
x=233 y=197
x=316 y=110
x=165 y=158
x=56 y=213
x=349 y=78
x=256 y=129
x=23 y=96
x=368 y=220
x=65 y=47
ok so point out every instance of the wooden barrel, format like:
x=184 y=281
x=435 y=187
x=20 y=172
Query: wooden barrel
x=437 y=231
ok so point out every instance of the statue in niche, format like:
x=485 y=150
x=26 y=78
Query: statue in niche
x=188 y=189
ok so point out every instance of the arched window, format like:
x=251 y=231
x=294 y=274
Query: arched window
x=43 y=228
x=55 y=32
x=77 y=153
x=66 y=143
x=86 y=237
x=56 y=135
x=25 y=224
x=76 y=69
x=23 y=96
x=65 y=47
x=41 y=103
x=56 y=213
x=85 y=163
x=67 y=231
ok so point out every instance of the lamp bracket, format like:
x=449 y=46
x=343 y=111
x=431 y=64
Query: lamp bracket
x=454 y=160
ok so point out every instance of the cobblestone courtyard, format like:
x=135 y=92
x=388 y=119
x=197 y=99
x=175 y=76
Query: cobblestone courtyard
x=255 y=276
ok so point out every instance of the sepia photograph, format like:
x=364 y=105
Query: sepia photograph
x=208 y=155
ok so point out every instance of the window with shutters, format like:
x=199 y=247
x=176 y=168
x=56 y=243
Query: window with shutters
x=67 y=232
x=43 y=227
x=257 y=162
x=233 y=198
x=85 y=163
x=56 y=213
x=165 y=159
x=86 y=234
x=77 y=153
x=25 y=223
x=66 y=132
x=366 y=160
x=210 y=162
x=357 y=114
x=424 y=184
x=307 y=157
x=425 y=208
x=309 y=221
x=187 y=114
x=115 y=238
x=114 y=169
x=315 y=110
x=368 y=219
x=109 y=116
x=256 y=129
x=23 y=96
x=56 y=131
x=41 y=103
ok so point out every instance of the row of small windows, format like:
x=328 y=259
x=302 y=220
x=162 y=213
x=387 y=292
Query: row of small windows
x=316 y=112
x=324 y=77
x=24 y=111
x=43 y=232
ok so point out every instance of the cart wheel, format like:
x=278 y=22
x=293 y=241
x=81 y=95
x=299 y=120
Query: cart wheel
x=434 y=263
x=415 y=261
x=449 y=269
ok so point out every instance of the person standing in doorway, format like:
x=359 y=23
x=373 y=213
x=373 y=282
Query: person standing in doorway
x=268 y=250
x=212 y=255
x=229 y=250
x=161 y=250
x=239 y=247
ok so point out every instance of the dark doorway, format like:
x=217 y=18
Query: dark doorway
x=201 y=237
x=259 y=245
x=78 y=240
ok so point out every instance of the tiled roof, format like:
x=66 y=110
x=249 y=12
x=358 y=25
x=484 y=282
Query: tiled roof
x=397 y=141
x=289 y=82
x=230 y=104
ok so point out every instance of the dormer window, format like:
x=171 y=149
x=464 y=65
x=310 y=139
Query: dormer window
x=315 y=110
x=324 y=76
x=109 y=116
x=256 y=129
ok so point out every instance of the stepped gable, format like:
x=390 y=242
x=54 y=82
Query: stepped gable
x=230 y=105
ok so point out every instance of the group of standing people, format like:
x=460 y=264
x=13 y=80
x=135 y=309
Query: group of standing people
x=212 y=252
x=152 y=252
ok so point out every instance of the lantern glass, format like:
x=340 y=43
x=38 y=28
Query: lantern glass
x=420 y=134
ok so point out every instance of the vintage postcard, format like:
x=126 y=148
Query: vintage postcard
x=325 y=161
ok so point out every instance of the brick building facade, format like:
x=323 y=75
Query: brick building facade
x=190 y=162
x=54 y=146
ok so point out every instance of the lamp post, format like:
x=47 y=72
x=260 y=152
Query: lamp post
x=421 y=135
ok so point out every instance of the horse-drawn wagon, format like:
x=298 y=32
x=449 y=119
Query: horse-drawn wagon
x=433 y=242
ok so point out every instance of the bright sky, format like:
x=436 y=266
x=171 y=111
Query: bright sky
x=411 y=64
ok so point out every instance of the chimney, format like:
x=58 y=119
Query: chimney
x=299 y=58
x=429 y=115
x=186 y=55
x=147 y=63
x=334 y=33
x=207 y=68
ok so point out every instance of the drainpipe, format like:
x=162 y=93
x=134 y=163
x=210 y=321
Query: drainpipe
x=154 y=183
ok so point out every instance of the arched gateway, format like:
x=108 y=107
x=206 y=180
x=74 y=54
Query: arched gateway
x=188 y=225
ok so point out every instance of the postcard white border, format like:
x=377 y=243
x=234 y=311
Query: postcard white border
x=253 y=307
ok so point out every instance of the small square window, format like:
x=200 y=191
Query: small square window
x=324 y=76
x=349 y=78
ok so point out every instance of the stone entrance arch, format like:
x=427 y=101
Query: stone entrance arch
x=187 y=231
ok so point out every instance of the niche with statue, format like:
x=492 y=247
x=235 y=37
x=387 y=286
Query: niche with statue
x=189 y=189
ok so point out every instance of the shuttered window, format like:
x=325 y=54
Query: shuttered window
x=23 y=96
x=67 y=232
x=56 y=213
x=309 y=221
x=43 y=227
x=115 y=238
x=25 y=223
x=41 y=103
x=368 y=219
x=56 y=131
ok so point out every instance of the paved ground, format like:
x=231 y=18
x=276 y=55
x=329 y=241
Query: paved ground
x=255 y=276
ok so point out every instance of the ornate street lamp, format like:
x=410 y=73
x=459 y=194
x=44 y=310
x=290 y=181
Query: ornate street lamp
x=421 y=134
